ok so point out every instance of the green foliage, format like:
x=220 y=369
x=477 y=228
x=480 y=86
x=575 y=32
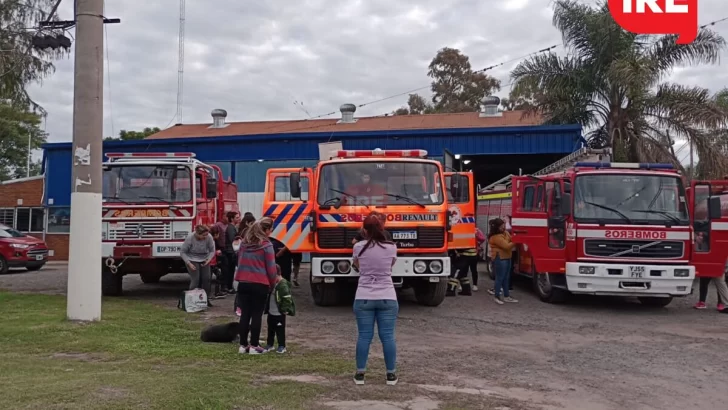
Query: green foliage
x=125 y=135
x=611 y=82
x=16 y=126
x=455 y=86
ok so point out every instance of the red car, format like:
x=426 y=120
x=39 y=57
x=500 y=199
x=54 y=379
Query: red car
x=18 y=250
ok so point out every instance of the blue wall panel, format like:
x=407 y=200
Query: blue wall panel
x=238 y=155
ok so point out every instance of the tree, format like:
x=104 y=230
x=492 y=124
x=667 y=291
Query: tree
x=125 y=135
x=525 y=95
x=610 y=82
x=20 y=63
x=455 y=86
x=16 y=126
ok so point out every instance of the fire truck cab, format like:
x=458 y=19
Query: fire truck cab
x=605 y=229
x=151 y=203
x=321 y=211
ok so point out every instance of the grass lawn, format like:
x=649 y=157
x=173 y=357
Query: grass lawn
x=140 y=355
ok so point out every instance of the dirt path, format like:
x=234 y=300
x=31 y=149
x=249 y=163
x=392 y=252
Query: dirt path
x=470 y=353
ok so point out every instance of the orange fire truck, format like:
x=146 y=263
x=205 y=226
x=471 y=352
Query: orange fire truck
x=151 y=203
x=321 y=211
x=613 y=229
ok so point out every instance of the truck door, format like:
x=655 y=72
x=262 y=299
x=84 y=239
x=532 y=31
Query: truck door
x=536 y=222
x=462 y=211
x=709 y=209
x=291 y=213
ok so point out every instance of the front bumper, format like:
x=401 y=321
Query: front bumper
x=141 y=251
x=629 y=280
x=403 y=267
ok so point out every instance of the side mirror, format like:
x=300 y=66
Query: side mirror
x=211 y=188
x=295 y=184
x=714 y=210
x=565 y=204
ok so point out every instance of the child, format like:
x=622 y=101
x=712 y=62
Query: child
x=280 y=304
x=216 y=272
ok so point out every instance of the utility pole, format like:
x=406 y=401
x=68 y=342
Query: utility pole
x=30 y=135
x=84 y=264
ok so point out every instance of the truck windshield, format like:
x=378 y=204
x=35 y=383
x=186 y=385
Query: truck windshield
x=147 y=183
x=630 y=199
x=380 y=183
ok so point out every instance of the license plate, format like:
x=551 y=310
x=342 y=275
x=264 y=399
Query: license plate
x=407 y=235
x=329 y=280
x=169 y=249
x=39 y=257
x=636 y=271
x=434 y=279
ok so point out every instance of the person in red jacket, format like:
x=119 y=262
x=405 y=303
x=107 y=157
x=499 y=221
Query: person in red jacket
x=256 y=276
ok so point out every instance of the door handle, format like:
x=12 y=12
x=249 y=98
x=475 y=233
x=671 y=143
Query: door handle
x=520 y=231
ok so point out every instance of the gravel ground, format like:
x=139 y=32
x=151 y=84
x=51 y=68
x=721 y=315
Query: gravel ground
x=592 y=353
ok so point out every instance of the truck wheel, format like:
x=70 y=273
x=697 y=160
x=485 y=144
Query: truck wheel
x=431 y=294
x=150 y=277
x=546 y=292
x=111 y=284
x=655 y=302
x=324 y=294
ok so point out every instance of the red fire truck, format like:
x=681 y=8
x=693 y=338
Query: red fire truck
x=613 y=229
x=321 y=211
x=151 y=203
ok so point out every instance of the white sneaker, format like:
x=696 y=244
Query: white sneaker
x=510 y=300
x=498 y=301
x=475 y=288
x=243 y=350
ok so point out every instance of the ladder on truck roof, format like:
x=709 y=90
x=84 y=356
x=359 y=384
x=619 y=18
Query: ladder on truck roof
x=580 y=155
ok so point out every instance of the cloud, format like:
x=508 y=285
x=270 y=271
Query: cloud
x=256 y=59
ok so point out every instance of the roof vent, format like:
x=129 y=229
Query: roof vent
x=489 y=106
x=347 y=114
x=218 y=118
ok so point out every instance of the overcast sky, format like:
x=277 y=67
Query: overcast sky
x=257 y=59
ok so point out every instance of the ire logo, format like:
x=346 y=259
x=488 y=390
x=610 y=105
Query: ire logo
x=658 y=17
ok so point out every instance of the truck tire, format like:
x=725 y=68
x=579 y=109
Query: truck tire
x=431 y=294
x=655 y=301
x=111 y=284
x=547 y=293
x=151 y=277
x=3 y=266
x=325 y=294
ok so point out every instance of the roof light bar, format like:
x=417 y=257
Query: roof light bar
x=623 y=165
x=406 y=153
x=150 y=155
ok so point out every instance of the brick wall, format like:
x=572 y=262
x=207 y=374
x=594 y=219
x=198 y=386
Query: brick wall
x=29 y=190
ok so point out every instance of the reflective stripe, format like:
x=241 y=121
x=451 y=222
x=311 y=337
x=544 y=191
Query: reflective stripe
x=719 y=226
x=534 y=222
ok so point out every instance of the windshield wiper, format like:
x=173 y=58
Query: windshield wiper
x=158 y=198
x=608 y=208
x=116 y=198
x=663 y=213
x=349 y=195
x=406 y=198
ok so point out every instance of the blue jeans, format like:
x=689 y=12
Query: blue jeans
x=384 y=313
x=502 y=276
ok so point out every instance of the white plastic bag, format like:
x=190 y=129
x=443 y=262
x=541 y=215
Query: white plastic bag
x=193 y=301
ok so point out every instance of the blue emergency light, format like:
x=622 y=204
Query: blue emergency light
x=623 y=165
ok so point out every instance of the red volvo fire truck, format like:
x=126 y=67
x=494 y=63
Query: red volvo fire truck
x=611 y=229
x=151 y=203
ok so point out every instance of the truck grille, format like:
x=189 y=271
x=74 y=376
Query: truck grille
x=140 y=230
x=37 y=251
x=340 y=238
x=633 y=249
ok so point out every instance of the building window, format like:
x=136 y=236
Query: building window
x=7 y=217
x=23 y=219
x=59 y=220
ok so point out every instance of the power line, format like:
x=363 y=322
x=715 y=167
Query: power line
x=712 y=23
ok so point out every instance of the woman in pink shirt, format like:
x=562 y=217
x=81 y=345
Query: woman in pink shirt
x=376 y=300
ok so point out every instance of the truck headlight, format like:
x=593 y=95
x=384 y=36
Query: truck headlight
x=327 y=267
x=682 y=273
x=586 y=270
x=343 y=266
x=436 y=267
x=419 y=266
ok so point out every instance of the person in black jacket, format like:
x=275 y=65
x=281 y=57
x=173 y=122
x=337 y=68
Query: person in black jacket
x=231 y=260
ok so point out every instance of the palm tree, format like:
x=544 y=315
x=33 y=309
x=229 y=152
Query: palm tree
x=611 y=82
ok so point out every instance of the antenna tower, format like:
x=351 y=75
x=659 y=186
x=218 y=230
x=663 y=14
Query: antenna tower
x=181 y=61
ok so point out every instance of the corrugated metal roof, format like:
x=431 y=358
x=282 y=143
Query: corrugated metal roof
x=381 y=123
